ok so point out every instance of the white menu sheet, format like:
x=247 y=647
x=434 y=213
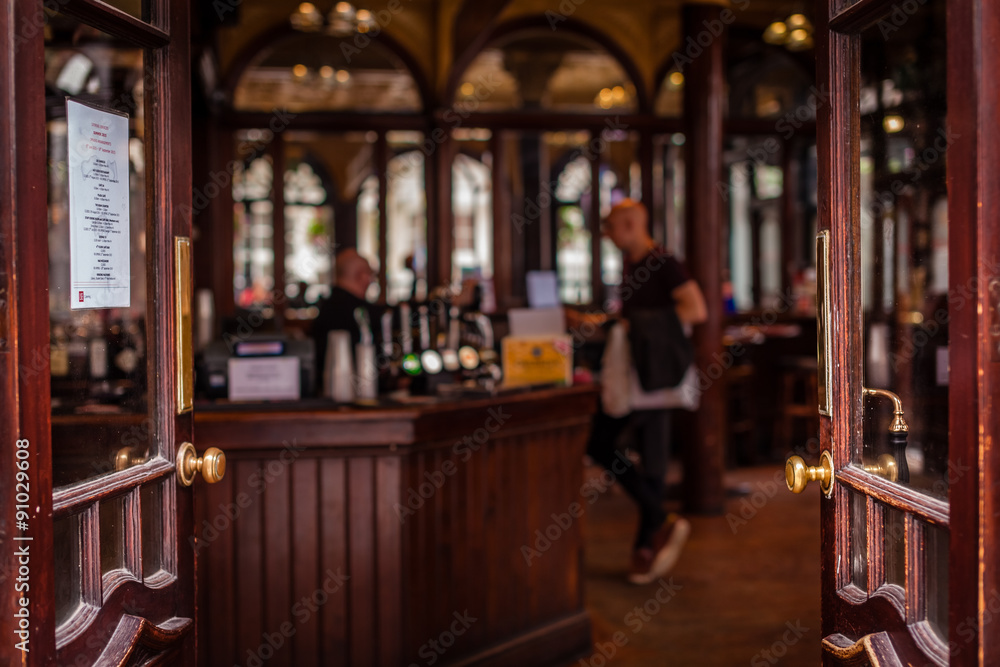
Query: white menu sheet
x=100 y=273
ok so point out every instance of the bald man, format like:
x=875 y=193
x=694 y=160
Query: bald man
x=652 y=281
x=352 y=276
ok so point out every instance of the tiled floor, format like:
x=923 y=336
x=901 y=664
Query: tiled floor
x=745 y=591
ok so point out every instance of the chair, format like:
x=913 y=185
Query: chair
x=798 y=402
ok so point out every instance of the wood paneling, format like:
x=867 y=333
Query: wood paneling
x=703 y=100
x=313 y=515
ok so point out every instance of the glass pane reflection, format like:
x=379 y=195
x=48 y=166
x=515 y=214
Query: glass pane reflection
x=895 y=547
x=98 y=356
x=904 y=232
x=66 y=542
x=859 y=539
x=112 y=514
x=152 y=528
x=936 y=566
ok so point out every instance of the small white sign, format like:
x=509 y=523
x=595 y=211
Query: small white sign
x=264 y=379
x=942 y=366
x=98 y=207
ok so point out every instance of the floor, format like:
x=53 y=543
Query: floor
x=745 y=591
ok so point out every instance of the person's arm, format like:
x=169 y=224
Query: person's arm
x=690 y=303
x=576 y=318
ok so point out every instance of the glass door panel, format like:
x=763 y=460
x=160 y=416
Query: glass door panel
x=104 y=408
x=97 y=357
x=904 y=249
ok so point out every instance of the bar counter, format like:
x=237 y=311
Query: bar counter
x=395 y=534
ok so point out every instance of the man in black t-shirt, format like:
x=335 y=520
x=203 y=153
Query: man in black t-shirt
x=652 y=279
x=352 y=275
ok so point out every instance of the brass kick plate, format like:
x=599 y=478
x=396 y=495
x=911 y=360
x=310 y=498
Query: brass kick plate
x=824 y=341
x=184 y=357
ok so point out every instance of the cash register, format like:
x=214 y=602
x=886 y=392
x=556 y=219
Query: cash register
x=262 y=367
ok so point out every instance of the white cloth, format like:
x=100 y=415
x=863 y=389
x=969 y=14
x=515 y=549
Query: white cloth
x=616 y=364
x=621 y=391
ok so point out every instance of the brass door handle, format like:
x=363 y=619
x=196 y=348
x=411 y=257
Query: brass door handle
x=886 y=468
x=798 y=474
x=898 y=431
x=212 y=465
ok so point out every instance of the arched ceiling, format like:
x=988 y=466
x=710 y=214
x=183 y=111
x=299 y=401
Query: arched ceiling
x=436 y=32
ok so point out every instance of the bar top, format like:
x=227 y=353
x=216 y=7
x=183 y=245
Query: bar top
x=388 y=422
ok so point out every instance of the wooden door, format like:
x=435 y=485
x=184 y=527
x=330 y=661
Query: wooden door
x=907 y=172
x=94 y=400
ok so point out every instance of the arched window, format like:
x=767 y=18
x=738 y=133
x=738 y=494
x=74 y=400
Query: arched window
x=333 y=196
x=316 y=72
x=406 y=225
x=529 y=69
x=309 y=236
x=472 y=208
x=253 y=231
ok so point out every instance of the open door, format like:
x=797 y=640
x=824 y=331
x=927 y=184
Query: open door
x=97 y=460
x=908 y=321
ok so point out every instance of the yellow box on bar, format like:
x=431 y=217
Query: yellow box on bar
x=537 y=360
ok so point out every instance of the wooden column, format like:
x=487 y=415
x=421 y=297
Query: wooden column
x=703 y=100
x=505 y=264
x=382 y=170
x=536 y=239
x=792 y=223
x=594 y=225
x=440 y=221
x=277 y=150
x=657 y=225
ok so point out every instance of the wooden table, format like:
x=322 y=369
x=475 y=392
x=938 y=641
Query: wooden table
x=395 y=535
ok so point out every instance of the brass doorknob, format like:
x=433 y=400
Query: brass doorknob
x=886 y=468
x=212 y=465
x=798 y=474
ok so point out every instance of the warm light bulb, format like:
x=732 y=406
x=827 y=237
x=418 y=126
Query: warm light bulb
x=343 y=75
x=676 y=79
x=307 y=8
x=797 y=21
x=893 y=124
x=343 y=8
x=618 y=94
x=776 y=33
x=300 y=71
x=467 y=89
x=326 y=71
x=605 y=95
x=363 y=18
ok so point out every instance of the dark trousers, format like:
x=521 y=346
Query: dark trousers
x=650 y=435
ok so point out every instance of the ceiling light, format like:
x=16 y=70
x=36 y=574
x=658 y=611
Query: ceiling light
x=343 y=20
x=776 y=33
x=794 y=33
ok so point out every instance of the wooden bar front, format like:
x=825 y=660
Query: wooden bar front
x=441 y=534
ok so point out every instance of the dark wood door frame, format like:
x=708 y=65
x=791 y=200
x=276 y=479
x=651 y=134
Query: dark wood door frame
x=24 y=400
x=24 y=313
x=974 y=252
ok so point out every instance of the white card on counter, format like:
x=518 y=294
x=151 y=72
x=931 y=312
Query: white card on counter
x=264 y=379
x=100 y=271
